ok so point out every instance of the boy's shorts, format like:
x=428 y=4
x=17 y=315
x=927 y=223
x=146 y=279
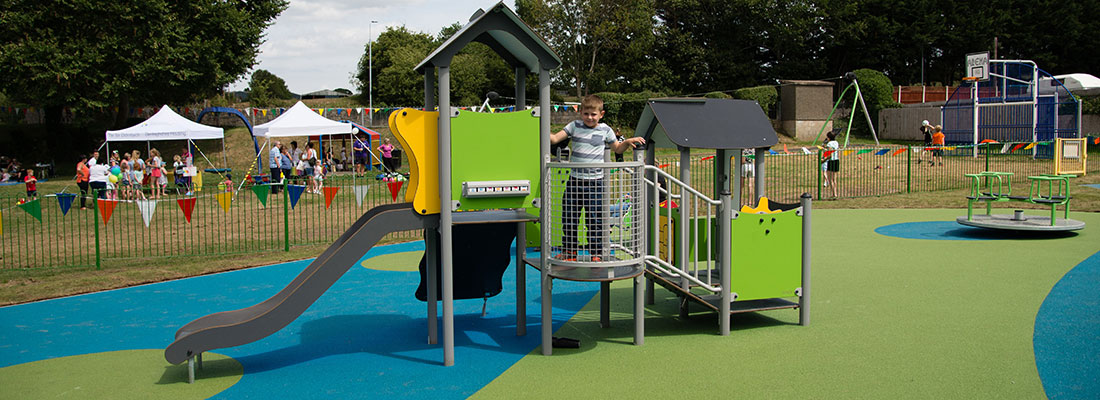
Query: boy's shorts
x=32 y=193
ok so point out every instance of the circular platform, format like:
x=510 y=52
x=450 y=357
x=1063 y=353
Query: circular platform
x=1027 y=223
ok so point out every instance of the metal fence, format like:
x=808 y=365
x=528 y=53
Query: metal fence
x=221 y=223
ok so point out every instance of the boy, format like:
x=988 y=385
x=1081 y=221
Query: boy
x=32 y=184
x=937 y=140
x=584 y=189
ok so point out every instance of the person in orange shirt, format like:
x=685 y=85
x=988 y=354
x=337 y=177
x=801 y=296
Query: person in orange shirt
x=937 y=140
x=83 y=173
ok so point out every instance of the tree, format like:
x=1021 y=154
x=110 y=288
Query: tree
x=396 y=53
x=265 y=88
x=87 y=54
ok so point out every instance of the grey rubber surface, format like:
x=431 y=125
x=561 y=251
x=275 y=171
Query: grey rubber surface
x=238 y=327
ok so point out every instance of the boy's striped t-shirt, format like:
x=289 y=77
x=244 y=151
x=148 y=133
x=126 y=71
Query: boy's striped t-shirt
x=587 y=146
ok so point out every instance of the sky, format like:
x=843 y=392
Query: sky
x=316 y=44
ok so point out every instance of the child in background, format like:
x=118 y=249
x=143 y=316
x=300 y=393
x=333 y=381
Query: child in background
x=938 y=141
x=138 y=178
x=156 y=173
x=177 y=168
x=318 y=178
x=32 y=184
x=127 y=179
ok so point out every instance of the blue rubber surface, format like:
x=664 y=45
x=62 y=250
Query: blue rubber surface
x=951 y=230
x=364 y=338
x=1067 y=334
x=1093 y=185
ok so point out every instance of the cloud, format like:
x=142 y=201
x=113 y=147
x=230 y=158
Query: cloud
x=316 y=44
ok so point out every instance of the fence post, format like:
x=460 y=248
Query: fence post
x=817 y=167
x=987 y=154
x=95 y=222
x=286 y=218
x=908 y=169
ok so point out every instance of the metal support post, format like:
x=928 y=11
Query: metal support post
x=445 y=221
x=605 y=304
x=545 y=281
x=725 y=216
x=651 y=201
x=639 y=310
x=521 y=279
x=807 y=236
x=431 y=253
x=685 y=221
x=758 y=188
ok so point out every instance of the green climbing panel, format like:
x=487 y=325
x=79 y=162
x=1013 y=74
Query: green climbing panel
x=494 y=147
x=767 y=255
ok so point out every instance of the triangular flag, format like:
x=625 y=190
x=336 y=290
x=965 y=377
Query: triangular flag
x=65 y=201
x=1096 y=141
x=106 y=208
x=881 y=152
x=321 y=111
x=295 y=192
x=898 y=151
x=828 y=153
x=847 y=152
x=785 y=151
x=806 y=151
x=261 y=192
x=225 y=199
x=360 y=192
x=1018 y=146
x=949 y=148
x=1004 y=149
x=34 y=208
x=864 y=151
x=330 y=193
x=394 y=188
x=1030 y=146
x=187 y=205
x=147 y=207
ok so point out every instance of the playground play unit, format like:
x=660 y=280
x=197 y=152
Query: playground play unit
x=479 y=181
x=1016 y=101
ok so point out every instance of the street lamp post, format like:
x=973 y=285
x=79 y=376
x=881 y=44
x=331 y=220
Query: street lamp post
x=370 y=73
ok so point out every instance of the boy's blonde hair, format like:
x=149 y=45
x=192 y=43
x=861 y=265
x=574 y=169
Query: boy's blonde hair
x=592 y=102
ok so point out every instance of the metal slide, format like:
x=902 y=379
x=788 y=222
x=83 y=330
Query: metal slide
x=235 y=328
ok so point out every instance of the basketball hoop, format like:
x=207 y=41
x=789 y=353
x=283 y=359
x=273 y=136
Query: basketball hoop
x=971 y=79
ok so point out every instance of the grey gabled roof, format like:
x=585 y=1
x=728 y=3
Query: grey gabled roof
x=502 y=30
x=706 y=124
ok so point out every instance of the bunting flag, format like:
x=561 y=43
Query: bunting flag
x=864 y=151
x=330 y=193
x=785 y=151
x=707 y=158
x=394 y=188
x=772 y=152
x=988 y=141
x=1018 y=146
x=34 y=208
x=1096 y=140
x=847 y=152
x=106 y=208
x=949 y=148
x=806 y=151
x=225 y=199
x=65 y=201
x=360 y=192
x=898 y=151
x=187 y=206
x=1030 y=146
x=882 y=152
x=1004 y=149
x=261 y=192
x=827 y=153
x=295 y=192
x=147 y=207
x=320 y=111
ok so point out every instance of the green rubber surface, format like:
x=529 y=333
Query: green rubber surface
x=406 y=261
x=890 y=318
x=127 y=374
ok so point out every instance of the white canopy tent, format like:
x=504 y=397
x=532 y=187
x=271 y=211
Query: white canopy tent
x=167 y=125
x=300 y=120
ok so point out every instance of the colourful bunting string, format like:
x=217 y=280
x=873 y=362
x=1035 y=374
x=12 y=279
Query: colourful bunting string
x=360 y=192
x=187 y=206
x=147 y=208
x=394 y=188
x=65 y=201
x=295 y=192
x=34 y=208
x=225 y=199
x=261 y=192
x=330 y=193
x=106 y=208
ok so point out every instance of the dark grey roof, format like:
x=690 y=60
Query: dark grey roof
x=706 y=124
x=502 y=30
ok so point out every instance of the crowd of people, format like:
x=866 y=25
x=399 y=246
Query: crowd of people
x=124 y=176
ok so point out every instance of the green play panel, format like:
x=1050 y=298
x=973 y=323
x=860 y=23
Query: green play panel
x=126 y=374
x=407 y=261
